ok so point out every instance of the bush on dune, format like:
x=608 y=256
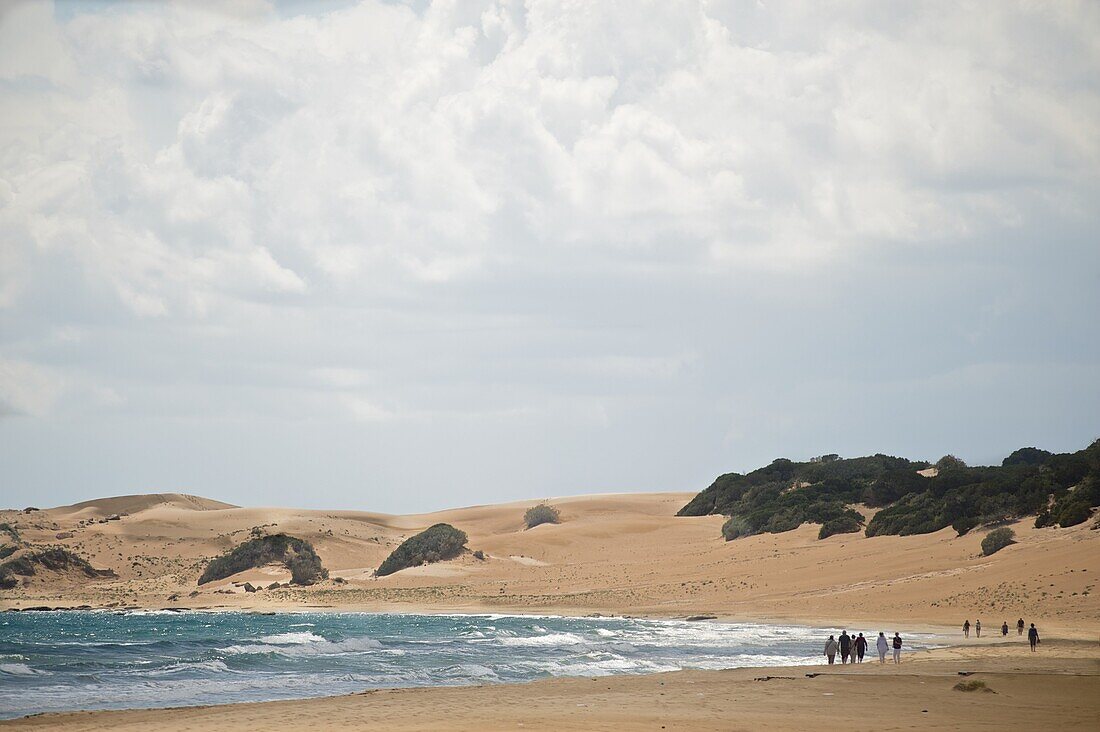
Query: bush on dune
x=434 y=544
x=54 y=558
x=997 y=540
x=295 y=554
x=541 y=514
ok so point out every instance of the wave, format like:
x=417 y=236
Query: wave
x=292 y=638
x=550 y=639
x=20 y=669
x=320 y=647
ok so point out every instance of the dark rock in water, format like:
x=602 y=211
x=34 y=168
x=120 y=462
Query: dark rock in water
x=701 y=617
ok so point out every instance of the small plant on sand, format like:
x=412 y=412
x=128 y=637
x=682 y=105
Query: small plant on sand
x=479 y=555
x=972 y=685
x=997 y=540
x=433 y=544
x=541 y=514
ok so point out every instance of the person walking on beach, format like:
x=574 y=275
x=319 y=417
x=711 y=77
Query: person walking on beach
x=830 y=650
x=860 y=647
x=897 y=647
x=845 y=646
x=1020 y=626
x=1032 y=637
x=1004 y=629
x=966 y=629
x=978 y=628
x=883 y=645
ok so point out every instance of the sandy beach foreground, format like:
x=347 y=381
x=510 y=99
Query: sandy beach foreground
x=1058 y=688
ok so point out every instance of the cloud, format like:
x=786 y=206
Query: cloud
x=644 y=219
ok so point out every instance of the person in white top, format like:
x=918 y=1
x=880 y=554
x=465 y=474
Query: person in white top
x=883 y=646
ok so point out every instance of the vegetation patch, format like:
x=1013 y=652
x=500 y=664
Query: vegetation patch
x=973 y=685
x=997 y=540
x=1062 y=489
x=6 y=528
x=54 y=558
x=295 y=554
x=434 y=544
x=541 y=514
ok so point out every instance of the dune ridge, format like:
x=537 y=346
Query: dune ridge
x=625 y=554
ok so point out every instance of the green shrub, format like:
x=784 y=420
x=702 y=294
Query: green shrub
x=7 y=550
x=735 y=527
x=1073 y=512
x=997 y=540
x=541 y=514
x=11 y=531
x=295 y=554
x=434 y=544
x=841 y=525
x=964 y=525
x=53 y=558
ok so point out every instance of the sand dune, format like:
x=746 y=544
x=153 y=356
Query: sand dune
x=611 y=554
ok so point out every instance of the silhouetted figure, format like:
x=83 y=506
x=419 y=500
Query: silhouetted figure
x=966 y=629
x=897 y=647
x=1033 y=637
x=860 y=645
x=1004 y=629
x=978 y=628
x=845 y=646
x=1020 y=626
x=830 y=650
x=883 y=646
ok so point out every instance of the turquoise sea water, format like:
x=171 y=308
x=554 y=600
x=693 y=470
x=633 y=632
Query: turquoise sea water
x=52 y=661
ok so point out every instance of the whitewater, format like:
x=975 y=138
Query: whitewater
x=68 y=660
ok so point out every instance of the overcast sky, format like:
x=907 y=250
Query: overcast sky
x=410 y=256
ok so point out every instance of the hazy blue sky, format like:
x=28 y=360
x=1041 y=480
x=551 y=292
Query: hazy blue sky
x=410 y=256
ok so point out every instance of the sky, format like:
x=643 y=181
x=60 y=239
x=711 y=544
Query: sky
x=408 y=256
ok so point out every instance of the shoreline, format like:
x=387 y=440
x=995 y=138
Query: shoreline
x=1064 y=678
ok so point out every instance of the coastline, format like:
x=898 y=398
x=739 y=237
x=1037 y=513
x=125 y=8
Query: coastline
x=1057 y=688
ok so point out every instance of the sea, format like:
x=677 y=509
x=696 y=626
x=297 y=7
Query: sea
x=69 y=660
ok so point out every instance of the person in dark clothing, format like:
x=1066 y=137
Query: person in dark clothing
x=1020 y=626
x=896 y=643
x=1004 y=629
x=845 y=646
x=966 y=629
x=860 y=645
x=1033 y=637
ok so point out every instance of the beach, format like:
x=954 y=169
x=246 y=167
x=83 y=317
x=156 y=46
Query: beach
x=1056 y=689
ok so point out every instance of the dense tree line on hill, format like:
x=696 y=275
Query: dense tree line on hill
x=1060 y=489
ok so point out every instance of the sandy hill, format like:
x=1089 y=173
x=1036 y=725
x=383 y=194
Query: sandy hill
x=140 y=502
x=611 y=554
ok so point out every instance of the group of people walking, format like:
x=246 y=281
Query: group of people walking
x=1032 y=632
x=853 y=647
